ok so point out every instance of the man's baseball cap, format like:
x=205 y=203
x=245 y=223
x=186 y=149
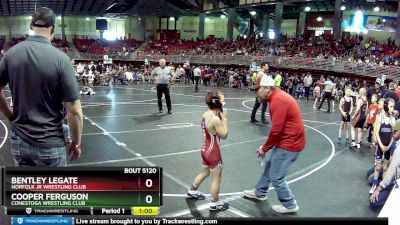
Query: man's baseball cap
x=378 y=80
x=263 y=81
x=43 y=17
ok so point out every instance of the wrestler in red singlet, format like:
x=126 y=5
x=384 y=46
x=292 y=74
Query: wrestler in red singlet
x=214 y=125
x=210 y=151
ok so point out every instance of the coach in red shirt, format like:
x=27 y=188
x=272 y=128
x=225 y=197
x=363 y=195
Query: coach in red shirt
x=286 y=139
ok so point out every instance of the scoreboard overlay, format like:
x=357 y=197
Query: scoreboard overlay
x=82 y=191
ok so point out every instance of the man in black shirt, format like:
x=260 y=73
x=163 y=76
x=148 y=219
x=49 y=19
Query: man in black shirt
x=376 y=89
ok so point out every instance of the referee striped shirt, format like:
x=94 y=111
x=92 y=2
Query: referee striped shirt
x=163 y=75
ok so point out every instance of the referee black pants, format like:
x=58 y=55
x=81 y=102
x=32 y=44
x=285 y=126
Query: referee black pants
x=163 y=89
x=327 y=96
x=197 y=79
x=257 y=105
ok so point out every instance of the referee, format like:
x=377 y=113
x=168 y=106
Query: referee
x=163 y=80
x=259 y=102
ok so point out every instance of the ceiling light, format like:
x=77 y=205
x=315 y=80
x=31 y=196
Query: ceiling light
x=253 y=13
x=307 y=9
x=109 y=7
x=30 y=17
x=207 y=19
x=343 y=8
x=108 y=19
x=59 y=17
x=223 y=16
x=384 y=20
x=319 y=19
x=172 y=18
x=376 y=9
x=87 y=18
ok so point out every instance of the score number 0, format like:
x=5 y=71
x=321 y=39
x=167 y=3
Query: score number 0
x=149 y=184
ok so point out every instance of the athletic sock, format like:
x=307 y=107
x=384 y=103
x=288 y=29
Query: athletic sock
x=193 y=188
x=214 y=199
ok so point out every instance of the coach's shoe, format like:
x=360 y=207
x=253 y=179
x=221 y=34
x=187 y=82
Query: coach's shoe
x=160 y=111
x=169 y=112
x=254 y=121
x=219 y=206
x=195 y=194
x=252 y=194
x=283 y=209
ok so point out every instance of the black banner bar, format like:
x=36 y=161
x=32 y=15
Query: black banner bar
x=147 y=172
x=230 y=221
x=47 y=211
x=305 y=221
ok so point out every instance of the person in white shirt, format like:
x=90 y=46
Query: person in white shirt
x=79 y=69
x=258 y=102
x=129 y=76
x=178 y=74
x=163 y=80
x=197 y=76
x=307 y=85
x=327 y=94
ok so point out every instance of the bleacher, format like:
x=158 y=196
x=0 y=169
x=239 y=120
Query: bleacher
x=62 y=45
x=210 y=46
x=16 y=40
x=58 y=43
x=104 y=47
